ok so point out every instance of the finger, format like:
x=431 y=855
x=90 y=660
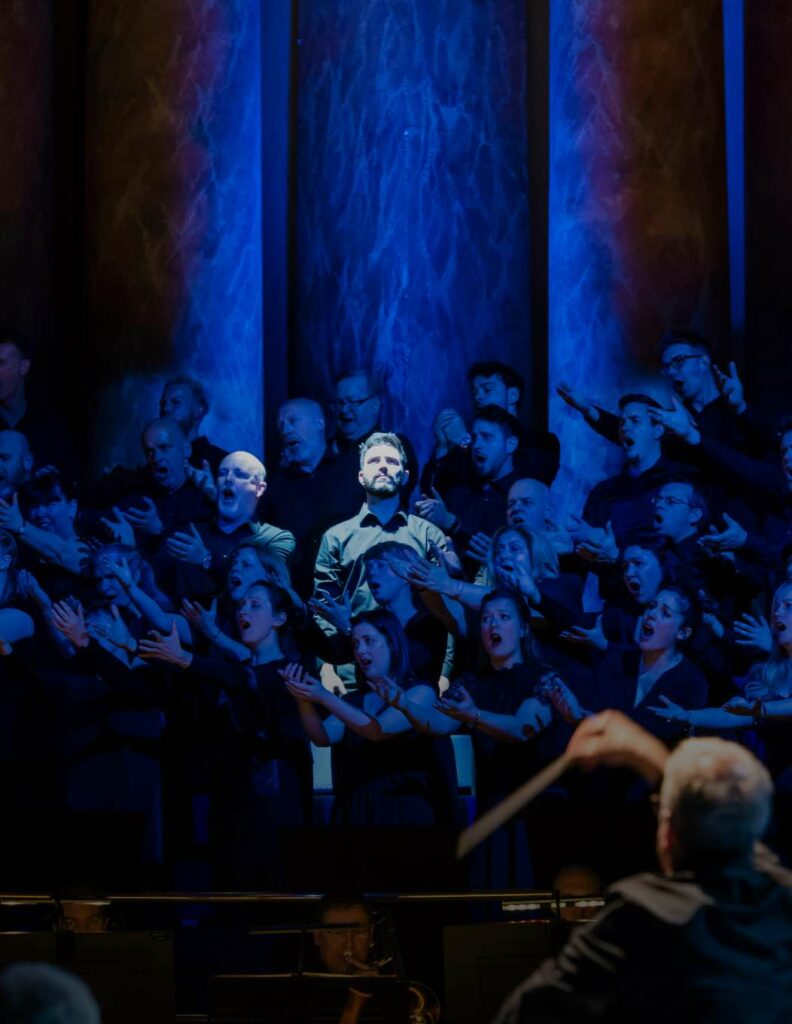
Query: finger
x=194 y=532
x=733 y=371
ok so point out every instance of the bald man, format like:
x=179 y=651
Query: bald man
x=313 y=487
x=709 y=938
x=204 y=549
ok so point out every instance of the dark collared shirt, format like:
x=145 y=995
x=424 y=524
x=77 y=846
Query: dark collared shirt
x=340 y=570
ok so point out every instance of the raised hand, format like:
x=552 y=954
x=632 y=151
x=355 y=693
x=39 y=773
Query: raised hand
x=203 y=479
x=69 y=618
x=594 y=637
x=145 y=519
x=337 y=613
x=753 y=631
x=116 y=634
x=31 y=589
x=457 y=703
x=553 y=688
x=426 y=576
x=731 y=538
x=188 y=547
x=120 y=569
x=165 y=647
x=303 y=686
x=204 y=619
x=670 y=711
x=10 y=515
x=611 y=738
x=577 y=400
x=479 y=547
x=388 y=691
x=120 y=529
x=676 y=420
x=521 y=581
x=434 y=510
x=450 y=431
x=599 y=546
x=730 y=386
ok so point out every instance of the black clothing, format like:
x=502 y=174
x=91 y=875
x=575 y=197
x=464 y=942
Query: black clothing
x=693 y=949
x=202 y=450
x=308 y=504
x=626 y=502
x=48 y=434
x=537 y=457
x=479 y=506
x=398 y=781
x=617 y=679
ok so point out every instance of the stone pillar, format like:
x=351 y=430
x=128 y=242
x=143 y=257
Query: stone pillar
x=412 y=221
x=25 y=167
x=638 y=223
x=173 y=210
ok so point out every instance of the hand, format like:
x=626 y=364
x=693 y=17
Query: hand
x=388 y=691
x=203 y=479
x=730 y=386
x=521 y=581
x=426 y=576
x=753 y=631
x=731 y=538
x=450 y=431
x=671 y=712
x=434 y=509
x=120 y=529
x=743 y=707
x=713 y=624
x=479 y=547
x=122 y=572
x=600 y=546
x=10 y=517
x=188 y=547
x=115 y=635
x=69 y=618
x=165 y=648
x=555 y=690
x=457 y=703
x=204 y=619
x=578 y=400
x=31 y=589
x=145 y=519
x=611 y=738
x=676 y=421
x=337 y=613
x=303 y=686
x=560 y=539
x=594 y=637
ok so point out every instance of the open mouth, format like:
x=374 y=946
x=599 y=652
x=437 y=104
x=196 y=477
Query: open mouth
x=779 y=625
x=633 y=585
x=235 y=580
x=506 y=566
x=478 y=458
x=227 y=493
x=647 y=630
x=244 y=623
x=495 y=638
x=161 y=469
x=365 y=663
x=628 y=442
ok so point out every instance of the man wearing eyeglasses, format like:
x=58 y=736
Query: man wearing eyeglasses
x=356 y=406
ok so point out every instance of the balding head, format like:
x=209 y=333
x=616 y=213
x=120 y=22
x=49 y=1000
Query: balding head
x=301 y=424
x=715 y=803
x=528 y=504
x=34 y=993
x=16 y=462
x=241 y=480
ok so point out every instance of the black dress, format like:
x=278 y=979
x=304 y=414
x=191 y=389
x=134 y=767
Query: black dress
x=403 y=781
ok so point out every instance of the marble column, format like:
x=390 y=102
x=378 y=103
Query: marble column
x=25 y=167
x=173 y=211
x=411 y=249
x=638 y=225
x=768 y=200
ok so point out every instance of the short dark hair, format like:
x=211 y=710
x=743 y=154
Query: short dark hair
x=22 y=342
x=385 y=548
x=385 y=622
x=382 y=437
x=372 y=384
x=490 y=368
x=44 y=485
x=685 y=337
x=495 y=414
x=342 y=901
x=639 y=398
x=195 y=386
